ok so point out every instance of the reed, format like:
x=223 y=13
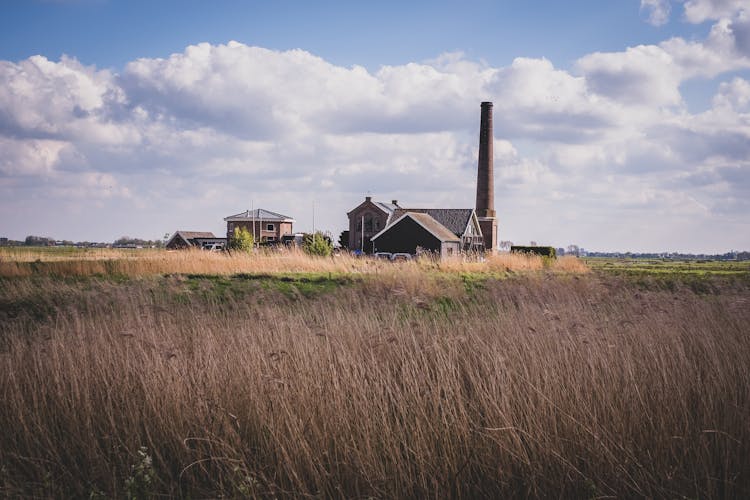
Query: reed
x=145 y=262
x=543 y=385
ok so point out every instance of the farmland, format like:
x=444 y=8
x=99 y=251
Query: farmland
x=280 y=375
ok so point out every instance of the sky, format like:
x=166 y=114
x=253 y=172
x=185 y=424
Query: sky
x=619 y=126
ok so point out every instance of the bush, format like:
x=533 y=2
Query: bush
x=317 y=244
x=242 y=240
x=543 y=251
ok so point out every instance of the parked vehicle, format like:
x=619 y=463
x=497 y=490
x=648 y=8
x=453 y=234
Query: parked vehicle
x=384 y=255
x=401 y=256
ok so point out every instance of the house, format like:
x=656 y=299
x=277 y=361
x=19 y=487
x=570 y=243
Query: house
x=366 y=220
x=413 y=232
x=196 y=239
x=264 y=225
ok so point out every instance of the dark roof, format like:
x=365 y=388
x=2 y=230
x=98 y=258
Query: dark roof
x=455 y=219
x=260 y=214
x=189 y=235
x=426 y=221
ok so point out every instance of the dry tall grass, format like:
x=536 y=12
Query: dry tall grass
x=105 y=262
x=549 y=386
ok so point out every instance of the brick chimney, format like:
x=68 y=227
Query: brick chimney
x=485 y=207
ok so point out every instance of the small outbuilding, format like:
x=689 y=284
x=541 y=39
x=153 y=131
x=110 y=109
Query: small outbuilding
x=194 y=239
x=414 y=231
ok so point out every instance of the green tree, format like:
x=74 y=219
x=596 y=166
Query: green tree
x=344 y=239
x=317 y=244
x=242 y=240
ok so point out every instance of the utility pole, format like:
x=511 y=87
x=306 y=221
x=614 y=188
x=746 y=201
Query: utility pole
x=252 y=217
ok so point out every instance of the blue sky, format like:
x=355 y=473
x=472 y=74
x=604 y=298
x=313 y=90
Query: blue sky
x=619 y=125
x=111 y=33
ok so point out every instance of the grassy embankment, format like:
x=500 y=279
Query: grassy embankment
x=342 y=377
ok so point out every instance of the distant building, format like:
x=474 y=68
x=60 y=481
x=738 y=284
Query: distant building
x=264 y=225
x=195 y=239
x=384 y=227
x=366 y=220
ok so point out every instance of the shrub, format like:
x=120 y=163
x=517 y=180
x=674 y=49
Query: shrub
x=317 y=244
x=543 y=251
x=242 y=240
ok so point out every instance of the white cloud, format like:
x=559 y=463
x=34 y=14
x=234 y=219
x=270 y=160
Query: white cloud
x=698 y=11
x=183 y=141
x=733 y=95
x=658 y=11
x=645 y=75
x=61 y=100
x=31 y=157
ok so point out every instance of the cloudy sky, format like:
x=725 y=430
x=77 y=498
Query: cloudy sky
x=619 y=125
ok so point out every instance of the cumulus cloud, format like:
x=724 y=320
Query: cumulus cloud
x=643 y=75
x=211 y=130
x=32 y=157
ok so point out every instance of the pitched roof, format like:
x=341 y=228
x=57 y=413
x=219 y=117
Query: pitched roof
x=386 y=207
x=189 y=235
x=455 y=219
x=426 y=221
x=259 y=214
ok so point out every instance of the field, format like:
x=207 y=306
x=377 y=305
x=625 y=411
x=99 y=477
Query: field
x=193 y=374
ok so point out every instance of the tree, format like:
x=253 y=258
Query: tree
x=506 y=244
x=344 y=239
x=317 y=244
x=38 y=241
x=573 y=250
x=242 y=240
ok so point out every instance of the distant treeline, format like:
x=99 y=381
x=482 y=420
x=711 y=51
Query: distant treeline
x=47 y=241
x=745 y=255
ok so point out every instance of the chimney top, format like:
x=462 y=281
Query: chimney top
x=368 y=198
x=487 y=104
x=394 y=202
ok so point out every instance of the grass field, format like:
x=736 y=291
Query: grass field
x=668 y=266
x=127 y=374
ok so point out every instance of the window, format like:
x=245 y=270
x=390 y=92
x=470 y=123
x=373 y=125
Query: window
x=269 y=227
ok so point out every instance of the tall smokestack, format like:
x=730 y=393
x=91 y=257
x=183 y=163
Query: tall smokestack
x=485 y=174
x=486 y=180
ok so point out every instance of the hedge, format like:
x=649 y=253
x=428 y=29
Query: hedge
x=543 y=251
